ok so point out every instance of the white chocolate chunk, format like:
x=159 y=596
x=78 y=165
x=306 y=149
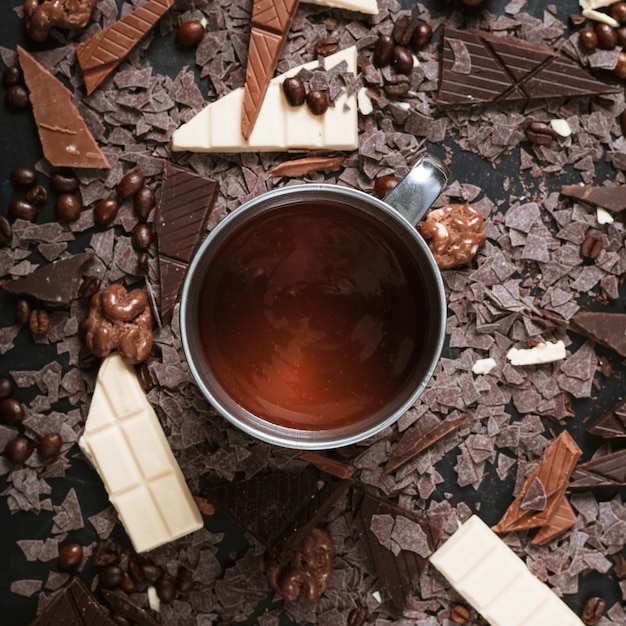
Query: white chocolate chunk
x=603 y=216
x=545 y=352
x=483 y=366
x=496 y=582
x=125 y=442
x=595 y=4
x=217 y=128
x=598 y=16
x=561 y=127
x=362 y=6
x=364 y=102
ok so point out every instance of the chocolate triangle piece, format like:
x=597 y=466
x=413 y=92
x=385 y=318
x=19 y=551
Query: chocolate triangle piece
x=124 y=606
x=609 y=198
x=562 y=519
x=612 y=423
x=608 y=470
x=271 y=21
x=398 y=571
x=607 y=329
x=101 y=54
x=171 y=276
x=65 y=138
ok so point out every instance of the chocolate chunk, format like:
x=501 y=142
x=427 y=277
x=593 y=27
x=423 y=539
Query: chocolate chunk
x=65 y=138
x=101 y=54
x=123 y=606
x=399 y=572
x=306 y=165
x=608 y=470
x=609 y=198
x=561 y=520
x=607 y=329
x=74 y=606
x=57 y=283
x=481 y=68
x=612 y=423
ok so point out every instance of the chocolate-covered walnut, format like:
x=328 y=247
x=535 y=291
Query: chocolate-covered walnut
x=454 y=234
x=306 y=571
x=119 y=320
x=42 y=15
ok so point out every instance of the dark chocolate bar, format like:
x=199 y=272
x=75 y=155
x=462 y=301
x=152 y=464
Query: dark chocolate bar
x=608 y=470
x=612 y=423
x=607 y=329
x=609 y=198
x=123 y=606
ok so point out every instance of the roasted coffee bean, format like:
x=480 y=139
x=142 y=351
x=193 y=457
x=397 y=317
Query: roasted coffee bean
x=166 y=589
x=36 y=195
x=128 y=584
x=184 y=579
x=70 y=556
x=12 y=411
x=151 y=571
x=357 y=617
x=145 y=378
x=317 y=102
x=540 y=133
x=39 y=322
x=12 y=76
x=189 y=34
x=326 y=46
x=23 y=176
x=49 y=445
x=6 y=231
x=422 y=35
x=18 y=450
x=134 y=570
x=16 y=97
x=107 y=553
x=130 y=184
x=67 y=207
x=89 y=286
x=144 y=203
x=622 y=122
x=402 y=60
x=111 y=576
x=591 y=247
x=383 y=49
x=22 y=311
x=20 y=209
x=64 y=183
x=397 y=85
x=294 y=90
x=142 y=237
x=618 y=12
x=621 y=36
x=384 y=184
x=459 y=614
x=607 y=37
x=106 y=211
x=620 y=68
x=593 y=610
x=619 y=566
x=403 y=30
x=143 y=262
x=6 y=388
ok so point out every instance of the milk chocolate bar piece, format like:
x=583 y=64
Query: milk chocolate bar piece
x=481 y=68
x=562 y=519
x=217 y=128
x=56 y=283
x=271 y=21
x=362 y=6
x=612 y=423
x=607 y=329
x=496 y=582
x=609 y=198
x=74 y=606
x=65 y=138
x=557 y=464
x=101 y=54
x=125 y=442
x=608 y=470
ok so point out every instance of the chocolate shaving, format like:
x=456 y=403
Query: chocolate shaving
x=307 y=165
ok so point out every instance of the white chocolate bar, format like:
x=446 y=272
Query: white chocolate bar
x=496 y=582
x=362 y=6
x=125 y=442
x=217 y=128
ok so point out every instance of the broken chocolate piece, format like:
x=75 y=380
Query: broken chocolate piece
x=101 y=54
x=42 y=15
x=307 y=165
x=271 y=21
x=607 y=329
x=65 y=138
x=612 y=423
x=482 y=68
x=123 y=606
x=56 y=283
x=608 y=470
x=562 y=519
x=326 y=464
x=609 y=198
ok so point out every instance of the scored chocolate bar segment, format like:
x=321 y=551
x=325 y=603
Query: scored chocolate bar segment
x=607 y=329
x=612 y=423
x=609 y=198
x=562 y=519
x=480 y=68
x=101 y=54
x=608 y=470
x=271 y=21
x=65 y=138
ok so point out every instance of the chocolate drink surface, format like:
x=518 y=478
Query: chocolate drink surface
x=312 y=316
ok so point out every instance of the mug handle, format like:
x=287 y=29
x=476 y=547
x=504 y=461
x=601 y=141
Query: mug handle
x=416 y=192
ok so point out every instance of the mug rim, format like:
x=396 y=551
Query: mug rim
x=295 y=438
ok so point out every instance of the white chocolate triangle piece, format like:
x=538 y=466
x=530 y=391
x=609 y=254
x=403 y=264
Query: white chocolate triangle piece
x=362 y=6
x=124 y=440
x=279 y=126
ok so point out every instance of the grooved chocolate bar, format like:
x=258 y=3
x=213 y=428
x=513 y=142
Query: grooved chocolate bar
x=480 y=68
x=101 y=54
x=608 y=470
x=612 y=423
x=609 y=198
x=607 y=329
x=271 y=21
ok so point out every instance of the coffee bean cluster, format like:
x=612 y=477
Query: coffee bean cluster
x=296 y=95
x=15 y=92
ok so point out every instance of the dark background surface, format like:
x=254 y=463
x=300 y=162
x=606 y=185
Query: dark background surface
x=19 y=145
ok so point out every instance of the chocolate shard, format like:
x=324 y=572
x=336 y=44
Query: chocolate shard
x=609 y=198
x=608 y=470
x=481 y=68
x=607 y=329
x=65 y=138
x=123 y=606
x=101 y=54
x=612 y=423
x=271 y=21
x=562 y=519
x=56 y=283
x=307 y=165
x=398 y=572
x=74 y=606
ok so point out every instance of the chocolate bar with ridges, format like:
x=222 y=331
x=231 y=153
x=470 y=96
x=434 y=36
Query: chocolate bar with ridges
x=612 y=423
x=607 y=329
x=608 y=470
x=609 y=198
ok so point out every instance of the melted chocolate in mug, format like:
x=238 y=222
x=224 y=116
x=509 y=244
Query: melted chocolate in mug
x=312 y=316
